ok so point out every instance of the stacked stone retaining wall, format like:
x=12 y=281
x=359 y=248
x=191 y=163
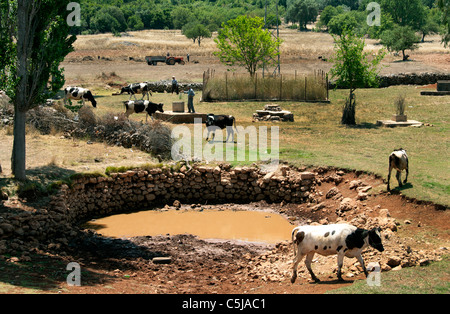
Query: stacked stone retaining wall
x=94 y=196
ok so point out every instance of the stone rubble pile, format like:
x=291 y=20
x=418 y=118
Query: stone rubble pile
x=273 y=112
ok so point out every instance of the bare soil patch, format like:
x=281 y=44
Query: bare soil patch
x=211 y=266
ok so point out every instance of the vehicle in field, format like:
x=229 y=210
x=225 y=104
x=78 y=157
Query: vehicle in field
x=153 y=60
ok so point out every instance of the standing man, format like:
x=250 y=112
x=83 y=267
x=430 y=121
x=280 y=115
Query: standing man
x=191 y=95
x=175 y=85
x=187 y=57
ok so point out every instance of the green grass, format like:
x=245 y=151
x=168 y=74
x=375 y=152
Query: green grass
x=317 y=138
x=431 y=279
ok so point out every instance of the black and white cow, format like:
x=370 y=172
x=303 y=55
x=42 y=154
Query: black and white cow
x=220 y=121
x=341 y=239
x=137 y=88
x=398 y=160
x=79 y=93
x=138 y=106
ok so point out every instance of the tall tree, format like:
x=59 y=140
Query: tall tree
x=196 y=32
x=444 y=5
x=244 y=42
x=42 y=41
x=7 y=46
x=400 y=38
x=406 y=12
x=353 y=69
x=303 y=12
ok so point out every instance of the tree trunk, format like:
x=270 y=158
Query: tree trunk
x=18 y=151
x=405 y=57
x=348 y=113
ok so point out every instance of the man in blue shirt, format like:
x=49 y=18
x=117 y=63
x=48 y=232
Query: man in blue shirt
x=191 y=95
x=174 y=85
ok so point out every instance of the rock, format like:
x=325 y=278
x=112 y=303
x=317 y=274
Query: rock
x=332 y=192
x=384 y=212
x=361 y=196
x=394 y=261
x=177 y=204
x=355 y=183
x=347 y=204
x=3 y=196
x=307 y=175
x=162 y=260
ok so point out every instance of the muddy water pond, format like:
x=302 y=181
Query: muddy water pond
x=255 y=226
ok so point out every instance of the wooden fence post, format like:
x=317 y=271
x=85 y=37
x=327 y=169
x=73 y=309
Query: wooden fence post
x=305 y=86
x=281 y=84
x=226 y=86
x=256 y=84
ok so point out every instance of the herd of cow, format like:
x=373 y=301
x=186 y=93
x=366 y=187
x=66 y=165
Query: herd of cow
x=340 y=239
x=139 y=106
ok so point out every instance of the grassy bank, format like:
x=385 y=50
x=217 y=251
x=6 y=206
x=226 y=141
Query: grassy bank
x=430 y=279
x=315 y=138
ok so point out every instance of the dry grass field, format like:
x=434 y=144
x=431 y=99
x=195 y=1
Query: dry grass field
x=299 y=52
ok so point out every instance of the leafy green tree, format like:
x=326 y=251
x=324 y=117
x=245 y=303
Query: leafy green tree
x=431 y=25
x=196 y=32
x=303 y=12
x=444 y=5
x=353 y=69
x=135 y=23
x=347 y=20
x=40 y=43
x=7 y=46
x=400 y=38
x=244 y=42
x=182 y=16
x=405 y=12
x=386 y=23
x=328 y=13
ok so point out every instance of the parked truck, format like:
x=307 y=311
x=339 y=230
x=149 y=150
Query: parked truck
x=153 y=60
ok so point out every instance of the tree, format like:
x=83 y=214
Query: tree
x=444 y=5
x=328 y=13
x=431 y=25
x=135 y=23
x=7 y=46
x=41 y=42
x=400 y=38
x=243 y=41
x=353 y=69
x=196 y=32
x=346 y=20
x=181 y=16
x=405 y=12
x=303 y=12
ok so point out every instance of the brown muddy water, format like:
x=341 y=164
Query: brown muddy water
x=254 y=226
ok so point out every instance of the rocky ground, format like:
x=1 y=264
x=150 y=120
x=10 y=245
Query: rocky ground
x=414 y=234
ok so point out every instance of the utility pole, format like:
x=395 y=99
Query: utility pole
x=277 y=68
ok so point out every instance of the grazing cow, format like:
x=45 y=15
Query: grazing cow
x=398 y=160
x=138 y=106
x=222 y=122
x=340 y=239
x=137 y=88
x=79 y=93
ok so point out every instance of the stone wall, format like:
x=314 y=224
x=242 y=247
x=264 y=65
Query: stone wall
x=89 y=197
x=408 y=79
